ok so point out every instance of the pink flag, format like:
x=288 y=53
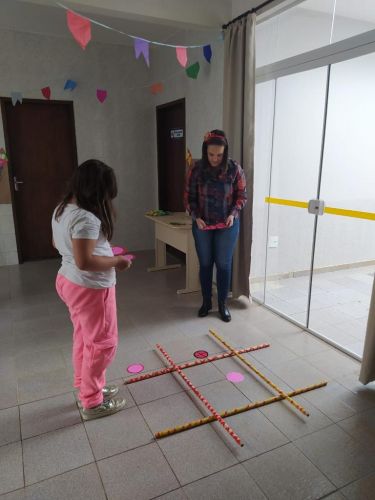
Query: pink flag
x=181 y=53
x=79 y=27
x=101 y=94
x=46 y=91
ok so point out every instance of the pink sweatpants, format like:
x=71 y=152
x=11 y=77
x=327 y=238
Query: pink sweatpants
x=94 y=317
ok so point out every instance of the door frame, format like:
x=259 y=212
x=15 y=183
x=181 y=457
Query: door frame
x=3 y=101
x=161 y=107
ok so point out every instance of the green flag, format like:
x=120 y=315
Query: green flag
x=193 y=70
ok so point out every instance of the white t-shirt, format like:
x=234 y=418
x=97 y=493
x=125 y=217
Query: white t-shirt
x=77 y=223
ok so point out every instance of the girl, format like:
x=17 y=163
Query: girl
x=82 y=224
x=214 y=195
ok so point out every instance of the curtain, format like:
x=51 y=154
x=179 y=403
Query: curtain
x=238 y=121
x=367 y=373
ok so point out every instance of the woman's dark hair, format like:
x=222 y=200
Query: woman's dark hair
x=218 y=138
x=94 y=186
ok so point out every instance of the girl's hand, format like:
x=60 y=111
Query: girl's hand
x=200 y=223
x=229 y=221
x=122 y=263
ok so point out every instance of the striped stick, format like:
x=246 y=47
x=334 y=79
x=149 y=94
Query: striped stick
x=235 y=411
x=190 y=364
x=263 y=377
x=200 y=396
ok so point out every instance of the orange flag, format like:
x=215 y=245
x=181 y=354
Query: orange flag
x=156 y=88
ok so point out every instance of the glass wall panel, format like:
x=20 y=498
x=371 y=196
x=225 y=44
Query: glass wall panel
x=345 y=246
x=299 y=112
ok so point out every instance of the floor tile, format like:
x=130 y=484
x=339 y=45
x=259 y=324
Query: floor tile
x=338 y=455
x=9 y=426
x=203 y=459
x=118 y=433
x=43 y=385
x=234 y=483
x=11 y=471
x=55 y=452
x=124 y=479
x=48 y=415
x=78 y=484
x=285 y=473
x=154 y=388
x=363 y=489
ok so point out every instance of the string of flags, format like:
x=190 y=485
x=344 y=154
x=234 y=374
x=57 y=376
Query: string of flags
x=80 y=28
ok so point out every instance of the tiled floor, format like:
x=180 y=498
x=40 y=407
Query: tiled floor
x=47 y=452
x=339 y=303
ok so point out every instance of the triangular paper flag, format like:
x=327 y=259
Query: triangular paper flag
x=79 y=27
x=101 y=94
x=16 y=97
x=142 y=47
x=156 y=88
x=193 y=70
x=70 y=85
x=207 y=52
x=181 y=54
x=46 y=91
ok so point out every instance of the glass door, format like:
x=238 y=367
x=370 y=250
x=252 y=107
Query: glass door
x=344 y=261
x=291 y=174
x=314 y=205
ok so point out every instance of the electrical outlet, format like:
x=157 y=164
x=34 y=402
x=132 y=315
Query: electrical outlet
x=273 y=242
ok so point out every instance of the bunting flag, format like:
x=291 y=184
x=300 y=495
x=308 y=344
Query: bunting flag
x=193 y=70
x=181 y=54
x=79 y=27
x=142 y=46
x=46 y=91
x=101 y=94
x=16 y=97
x=207 y=52
x=70 y=85
x=156 y=88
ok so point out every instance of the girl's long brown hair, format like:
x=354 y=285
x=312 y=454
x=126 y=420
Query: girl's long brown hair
x=94 y=186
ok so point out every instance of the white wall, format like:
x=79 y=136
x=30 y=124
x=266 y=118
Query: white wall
x=122 y=131
x=117 y=132
x=203 y=97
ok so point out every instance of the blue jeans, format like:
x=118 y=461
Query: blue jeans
x=215 y=246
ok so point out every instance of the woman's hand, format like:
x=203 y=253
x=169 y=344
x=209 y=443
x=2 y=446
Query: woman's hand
x=122 y=263
x=200 y=223
x=229 y=221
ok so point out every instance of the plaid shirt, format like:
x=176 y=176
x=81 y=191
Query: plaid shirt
x=214 y=194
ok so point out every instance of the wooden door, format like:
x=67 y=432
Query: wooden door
x=171 y=155
x=41 y=146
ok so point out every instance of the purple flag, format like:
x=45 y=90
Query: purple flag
x=142 y=46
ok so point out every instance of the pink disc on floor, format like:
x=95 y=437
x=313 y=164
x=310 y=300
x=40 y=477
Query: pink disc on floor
x=136 y=368
x=235 y=377
x=201 y=354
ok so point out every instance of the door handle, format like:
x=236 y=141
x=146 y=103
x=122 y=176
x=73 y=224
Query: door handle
x=16 y=183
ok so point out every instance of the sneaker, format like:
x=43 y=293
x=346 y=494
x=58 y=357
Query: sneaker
x=109 y=391
x=108 y=407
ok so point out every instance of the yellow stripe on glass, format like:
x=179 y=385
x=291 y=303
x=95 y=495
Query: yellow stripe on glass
x=327 y=210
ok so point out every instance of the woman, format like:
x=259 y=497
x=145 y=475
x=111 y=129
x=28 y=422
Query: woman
x=214 y=196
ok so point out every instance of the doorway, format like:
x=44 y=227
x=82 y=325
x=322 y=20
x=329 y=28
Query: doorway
x=41 y=146
x=314 y=210
x=170 y=122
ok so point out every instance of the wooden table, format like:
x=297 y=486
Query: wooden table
x=175 y=230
